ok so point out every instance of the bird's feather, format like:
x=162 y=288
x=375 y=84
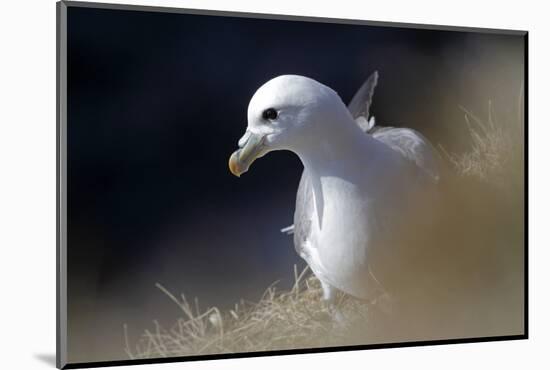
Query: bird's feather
x=413 y=146
x=359 y=105
x=303 y=213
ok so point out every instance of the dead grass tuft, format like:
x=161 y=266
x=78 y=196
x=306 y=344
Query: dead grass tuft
x=297 y=318
x=496 y=152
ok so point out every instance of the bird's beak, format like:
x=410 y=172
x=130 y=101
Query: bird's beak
x=251 y=146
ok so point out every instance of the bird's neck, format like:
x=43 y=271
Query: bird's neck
x=339 y=151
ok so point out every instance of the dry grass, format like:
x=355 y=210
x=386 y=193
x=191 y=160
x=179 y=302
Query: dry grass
x=496 y=152
x=297 y=318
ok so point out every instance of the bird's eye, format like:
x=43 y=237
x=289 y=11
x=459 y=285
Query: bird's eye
x=269 y=113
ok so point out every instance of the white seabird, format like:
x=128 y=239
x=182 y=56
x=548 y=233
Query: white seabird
x=362 y=188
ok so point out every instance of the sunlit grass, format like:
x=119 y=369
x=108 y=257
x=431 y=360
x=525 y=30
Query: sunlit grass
x=279 y=320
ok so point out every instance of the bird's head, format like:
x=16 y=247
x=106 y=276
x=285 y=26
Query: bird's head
x=280 y=117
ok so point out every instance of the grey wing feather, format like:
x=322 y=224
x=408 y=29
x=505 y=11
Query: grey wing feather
x=413 y=146
x=303 y=213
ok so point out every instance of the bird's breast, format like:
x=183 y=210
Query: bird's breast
x=344 y=234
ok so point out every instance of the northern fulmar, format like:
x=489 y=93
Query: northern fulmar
x=362 y=187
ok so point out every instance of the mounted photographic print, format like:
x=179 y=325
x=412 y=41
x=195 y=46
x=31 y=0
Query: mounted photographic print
x=234 y=184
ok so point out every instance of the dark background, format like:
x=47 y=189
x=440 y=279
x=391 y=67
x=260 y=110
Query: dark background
x=156 y=104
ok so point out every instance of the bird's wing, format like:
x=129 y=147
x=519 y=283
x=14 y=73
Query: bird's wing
x=413 y=146
x=359 y=105
x=410 y=143
x=303 y=213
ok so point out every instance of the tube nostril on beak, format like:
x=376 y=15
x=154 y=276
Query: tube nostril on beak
x=244 y=139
